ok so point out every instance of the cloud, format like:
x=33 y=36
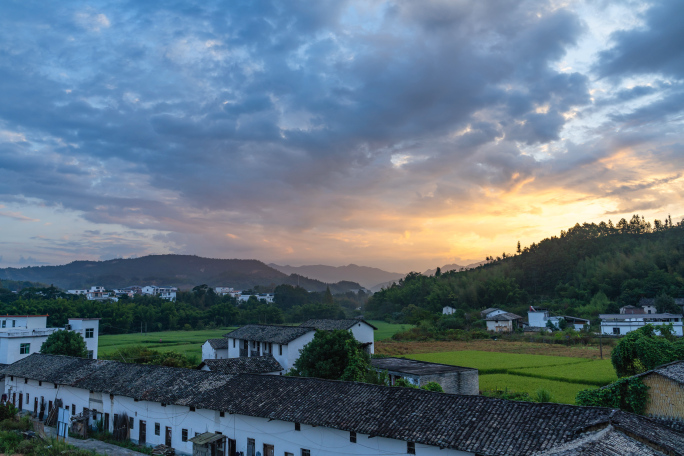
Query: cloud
x=295 y=133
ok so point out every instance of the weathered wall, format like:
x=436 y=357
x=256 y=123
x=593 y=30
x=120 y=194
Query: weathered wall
x=466 y=382
x=666 y=397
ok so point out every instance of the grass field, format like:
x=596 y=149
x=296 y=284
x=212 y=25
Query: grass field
x=562 y=392
x=190 y=342
x=562 y=376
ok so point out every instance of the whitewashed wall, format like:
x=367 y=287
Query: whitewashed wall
x=364 y=334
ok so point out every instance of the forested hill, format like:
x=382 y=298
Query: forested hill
x=183 y=271
x=588 y=269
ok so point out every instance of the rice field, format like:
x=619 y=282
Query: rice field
x=562 y=376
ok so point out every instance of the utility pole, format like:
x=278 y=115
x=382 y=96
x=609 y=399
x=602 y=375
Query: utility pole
x=601 y=343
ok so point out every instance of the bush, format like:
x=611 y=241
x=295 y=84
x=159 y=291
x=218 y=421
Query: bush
x=542 y=395
x=629 y=394
x=8 y=411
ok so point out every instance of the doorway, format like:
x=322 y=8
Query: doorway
x=168 y=437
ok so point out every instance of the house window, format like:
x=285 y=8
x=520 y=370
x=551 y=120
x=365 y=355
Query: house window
x=130 y=422
x=90 y=354
x=280 y=349
x=298 y=427
x=616 y=330
x=411 y=447
x=89 y=333
x=4 y=323
x=352 y=437
x=27 y=398
x=288 y=454
x=184 y=435
x=24 y=349
x=14 y=323
x=233 y=343
x=306 y=452
x=192 y=409
x=157 y=429
x=222 y=414
x=251 y=447
x=26 y=380
x=40 y=383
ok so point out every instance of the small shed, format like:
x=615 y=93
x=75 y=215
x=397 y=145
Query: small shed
x=209 y=444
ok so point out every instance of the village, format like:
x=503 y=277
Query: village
x=238 y=400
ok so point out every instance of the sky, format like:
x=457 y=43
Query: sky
x=398 y=134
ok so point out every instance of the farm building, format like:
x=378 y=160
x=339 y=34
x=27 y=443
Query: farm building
x=308 y=416
x=665 y=391
x=448 y=310
x=452 y=379
x=503 y=322
x=491 y=311
x=215 y=349
x=281 y=342
x=539 y=318
x=618 y=324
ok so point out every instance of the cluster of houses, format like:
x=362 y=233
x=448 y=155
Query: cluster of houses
x=239 y=403
x=629 y=319
x=98 y=293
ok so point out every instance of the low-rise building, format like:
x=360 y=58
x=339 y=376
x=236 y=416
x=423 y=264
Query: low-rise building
x=665 y=391
x=96 y=293
x=618 y=324
x=267 y=297
x=215 y=349
x=360 y=329
x=168 y=293
x=491 y=312
x=448 y=310
x=22 y=335
x=503 y=322
x=308 y=416
x=540 y=318
x=452 y=379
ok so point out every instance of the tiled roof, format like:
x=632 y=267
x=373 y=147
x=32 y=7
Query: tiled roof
x=476 y=424
x=489 y=310
x=674 y=371
x=331 y=325
x=243 y=365
x=218 y=344
x=504 y=316
x=606 y=442
x=415 y=367
x=269 y=333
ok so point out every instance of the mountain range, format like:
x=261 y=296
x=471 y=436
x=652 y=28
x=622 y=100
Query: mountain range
x=182 y=271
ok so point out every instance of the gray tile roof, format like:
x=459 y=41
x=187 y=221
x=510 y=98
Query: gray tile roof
x=412 y=366
x=331 y=325
x=243 y=365
x=269 y=333
x=486 y=426
x=504 y=317
x=606 y=442
x=674 y=371
x=218 y=344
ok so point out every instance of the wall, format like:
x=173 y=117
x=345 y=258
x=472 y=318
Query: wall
x=628 y=326
x=364 y=334
x=666 y=397
x=208 y=351
x=537 y=319
x=69 y=395
x=10 y=347
x=291 y=351
x=499 y=326
x=465 y=382
x=80 y=325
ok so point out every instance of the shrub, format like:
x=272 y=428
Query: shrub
x=542 y=395
x=629 y=394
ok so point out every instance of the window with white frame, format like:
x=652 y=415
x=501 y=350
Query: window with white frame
x=24 y=349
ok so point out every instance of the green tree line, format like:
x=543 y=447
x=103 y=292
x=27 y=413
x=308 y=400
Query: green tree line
x=588 y=269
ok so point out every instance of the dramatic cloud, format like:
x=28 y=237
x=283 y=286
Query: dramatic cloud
x=398 y=134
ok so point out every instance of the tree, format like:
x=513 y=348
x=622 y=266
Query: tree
x=68 y=343
x=642 y=350
x=333 y=355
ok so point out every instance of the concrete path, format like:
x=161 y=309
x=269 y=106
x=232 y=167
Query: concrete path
x=103 y=448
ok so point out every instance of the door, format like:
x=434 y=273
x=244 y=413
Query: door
x=106 y=422
x=14 y=399
x=231 y=447
x=268 y=450
x=142 y=436
x=21 y=401
x=35 y=406
x=168 y=436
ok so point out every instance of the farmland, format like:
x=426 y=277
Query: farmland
x=562 y=376
x=190 y=342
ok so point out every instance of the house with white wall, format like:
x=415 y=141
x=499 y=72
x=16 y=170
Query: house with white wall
x=268 y=297
x=22 y=335
x=448 y=310
x=618 y=324
x=215 y=349
x=490 y=312
x=313 y=417
x=96 y=293
x=539 y=318
x=360 y=329
x=503 y=322
x=282 y=342
x=168 y=293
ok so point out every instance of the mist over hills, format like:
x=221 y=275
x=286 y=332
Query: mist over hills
x=366 y=276
x=182 y=271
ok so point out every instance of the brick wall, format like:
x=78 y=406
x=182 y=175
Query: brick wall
x=666 y=397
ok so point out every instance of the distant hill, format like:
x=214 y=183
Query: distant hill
x=453 y=267
x=364 y=275
x=182 y=271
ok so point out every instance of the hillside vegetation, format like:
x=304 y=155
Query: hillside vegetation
x=588 y=269
x=183 y=271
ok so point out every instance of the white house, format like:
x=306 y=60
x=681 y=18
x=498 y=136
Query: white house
x=96 y=293
x=448 y=310
x=268 y=297
x=539 y=318
x=215 y=349
x=223 y=291
x=361 y=329
x=168 y=293
x=617 y=324
x=492 y=311
x=22 y=335
x=280 y=415
x=282 y=342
